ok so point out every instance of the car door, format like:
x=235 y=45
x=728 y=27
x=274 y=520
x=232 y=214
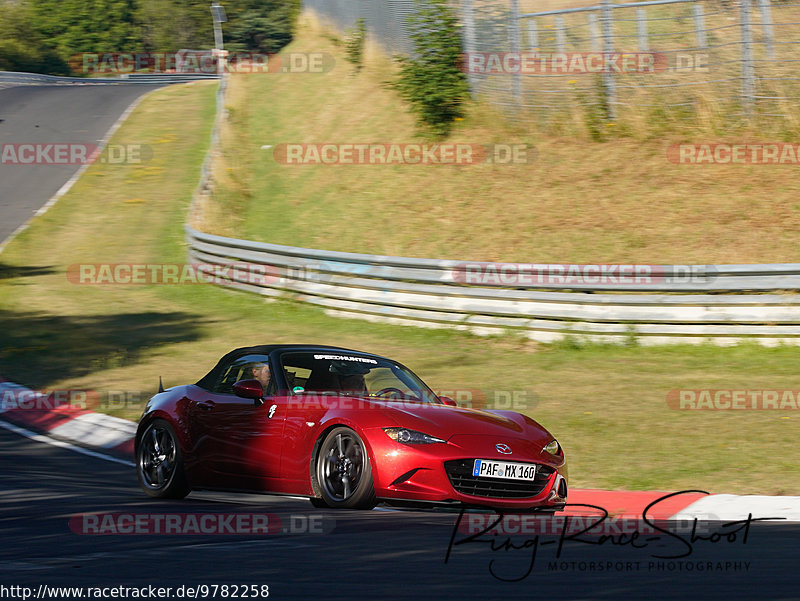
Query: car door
x=237 y=439
x=216 y=419
x=257 y=445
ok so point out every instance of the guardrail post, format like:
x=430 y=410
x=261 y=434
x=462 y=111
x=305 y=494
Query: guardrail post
x=594 y=32
x=533 y=35
x=748 y=69
x=533 y=45
x=609 y=85
x=561 y=38
x=468 y=37
x=513 y=32
x=766 y=26
x=700 y=25
x=641 y=29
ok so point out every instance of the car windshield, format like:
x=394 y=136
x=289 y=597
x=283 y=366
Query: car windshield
x=352 y=375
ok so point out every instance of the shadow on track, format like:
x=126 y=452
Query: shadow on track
x=39 y=348
x=8 y=272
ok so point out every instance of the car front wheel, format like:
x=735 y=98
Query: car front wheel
x=159 y=463
x=343 y=470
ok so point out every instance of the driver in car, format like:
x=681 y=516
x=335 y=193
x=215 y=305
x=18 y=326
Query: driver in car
x=262 y=374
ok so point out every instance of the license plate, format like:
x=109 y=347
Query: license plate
x=507 y=470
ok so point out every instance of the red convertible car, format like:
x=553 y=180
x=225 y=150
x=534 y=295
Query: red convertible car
x=345 y=429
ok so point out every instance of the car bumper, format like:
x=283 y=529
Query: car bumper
x=441 y=473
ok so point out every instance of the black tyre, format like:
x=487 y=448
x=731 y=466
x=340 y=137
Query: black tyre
x=344 y=473
x=159 y=462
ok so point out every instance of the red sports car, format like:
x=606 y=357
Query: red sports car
x=345 y=429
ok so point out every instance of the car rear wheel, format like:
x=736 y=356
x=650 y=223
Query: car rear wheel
x=159 y=463
x=343 y=470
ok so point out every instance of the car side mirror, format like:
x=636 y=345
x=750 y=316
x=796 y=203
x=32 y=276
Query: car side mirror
x=250 y=389
x=448 y=401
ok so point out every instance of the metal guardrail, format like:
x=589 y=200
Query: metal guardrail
x=428 y=292
x=681 y=304
x=12 y=77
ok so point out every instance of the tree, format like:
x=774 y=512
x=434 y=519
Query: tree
x=263 y=26
x=170 y=25
x=42 y=35
x=87 y=25
x=431 y=80
x=22 y=46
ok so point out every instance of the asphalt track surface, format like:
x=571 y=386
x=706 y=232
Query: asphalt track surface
x=352 y=554
x=36 y=114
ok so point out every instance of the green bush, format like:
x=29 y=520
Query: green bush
x=431 y=80
x=354 y=44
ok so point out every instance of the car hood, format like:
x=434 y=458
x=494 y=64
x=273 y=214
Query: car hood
x=444 y=422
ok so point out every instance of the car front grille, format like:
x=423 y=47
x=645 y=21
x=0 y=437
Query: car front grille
x=460 y=473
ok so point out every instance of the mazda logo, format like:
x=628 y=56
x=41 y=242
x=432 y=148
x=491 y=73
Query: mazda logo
x=503 y=448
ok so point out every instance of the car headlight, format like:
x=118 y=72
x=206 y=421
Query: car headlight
x=407 y=436
x=552 y=447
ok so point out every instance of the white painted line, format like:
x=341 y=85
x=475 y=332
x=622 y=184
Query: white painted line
x=62 y=444
x=96 y=430
x=729 y=508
